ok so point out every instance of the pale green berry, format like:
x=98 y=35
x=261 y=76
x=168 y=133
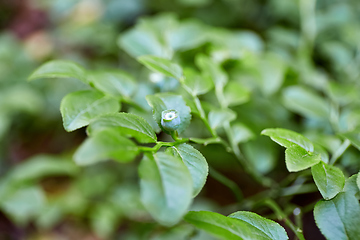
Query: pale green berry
x=170 y=120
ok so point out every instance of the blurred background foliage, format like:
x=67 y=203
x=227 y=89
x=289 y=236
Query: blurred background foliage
x=295 y=63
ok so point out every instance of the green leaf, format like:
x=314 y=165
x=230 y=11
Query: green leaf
x=115 y=83
x=161 y=65
x=104 y=145
x=141 y=41
x=211 y=69
x=196 y=163
x=230 y=227
x=60 y=69
x=297 y=158
x=219 y=116
x=338 y=218
x=126 y=124
x=358 y=181
x=353 y=136
x=235 y=94
x=241 y=133
x=306 y=102
x=41 y=166
x=195 y=83
x=330 y=180
x=287 y=138
x=24 y=204
x=272 y=229
x=166 y=101
x=79 y=108
x=166 y=187
x=104 y=220
x=352 y=187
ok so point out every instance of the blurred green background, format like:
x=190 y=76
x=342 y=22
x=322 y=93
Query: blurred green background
x=298 y=60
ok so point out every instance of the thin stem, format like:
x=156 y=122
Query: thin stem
x=282 y=216
x=339 y=152
x=227 y=182
x=203 y=117
x=248 y=167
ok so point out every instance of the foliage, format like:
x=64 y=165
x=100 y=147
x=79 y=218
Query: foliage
x=187 y=102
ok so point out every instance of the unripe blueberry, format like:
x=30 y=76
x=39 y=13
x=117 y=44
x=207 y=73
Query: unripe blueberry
x=170 y=120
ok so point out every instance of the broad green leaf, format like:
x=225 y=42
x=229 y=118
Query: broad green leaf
x=318 y=149
x=104 y=145
x=353 y=136
x=141 y=41
x=272 y=70
x=24 y=204
x=272 y=229
x=166 y=101
x=358 y=181
x=330 y=180
x=241 y=133
x=59 y=69
x=265 y=160
x=126 y=124
x=297 y=158
x=115 y=83
x=287 y=138
x=219 y=116
x=41 y=166
x=228 y=227
x=352 y=187
x=196 y=163
x=166 y=187
x=306 y=102
x=338 y=218
x=190 y=34
x=235 y=94
x=161 y=65
x=195 y=83
x=79 y=108
x=211 y=69
x=104 y=219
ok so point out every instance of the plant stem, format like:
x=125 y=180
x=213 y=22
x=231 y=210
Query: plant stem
x=282 y=216
x=227 y=182
x=339 y=152
x=248 y=167
x=203 y=117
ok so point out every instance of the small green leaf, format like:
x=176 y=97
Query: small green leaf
x=219 y=116
x=196 y=163
x=272 y=229
x=232 y=227
x=353 y=136
x=211 y=69
x=241 y=133
x=115 y=83
x=166 y=187
x=195 y=83
x=297 y=158
x=24 y=204
x=41 y=166
x=79 y=108
x=60 y=69
x=352 y=187
x=330 y=180
x=141 y=41
x=306 y=102
x=104 y=145
x=161 y=65
x=287 y=138
x=126 y=124
x=235 y=94
x=167 y=101
x=338 y=218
